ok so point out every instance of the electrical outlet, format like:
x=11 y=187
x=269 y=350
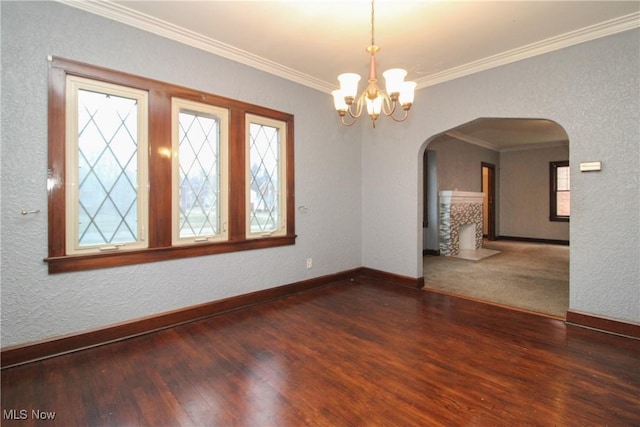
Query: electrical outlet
x=309 y=263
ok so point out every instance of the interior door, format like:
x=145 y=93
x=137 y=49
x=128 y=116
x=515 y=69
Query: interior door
x=489 y=190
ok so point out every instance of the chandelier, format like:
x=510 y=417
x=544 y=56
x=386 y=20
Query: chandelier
x=375 y=99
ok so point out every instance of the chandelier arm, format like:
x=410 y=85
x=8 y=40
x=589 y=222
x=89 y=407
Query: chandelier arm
x=388 y=106
x=345 y=123
x=406 y=114
x=353 y=115
x=359 y=107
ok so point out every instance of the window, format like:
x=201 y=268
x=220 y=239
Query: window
x=200 y=165
x=143 y=171
x=105 y=175
x=266 y=167
x=560 y=191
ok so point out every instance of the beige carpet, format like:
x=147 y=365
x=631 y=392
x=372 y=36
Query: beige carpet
x=529 y=276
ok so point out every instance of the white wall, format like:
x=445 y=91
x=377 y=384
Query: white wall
x=591 y=90
x=36 y=305
x=457 y=168
x=459 y=164
x=431 y=235
x=524 y=194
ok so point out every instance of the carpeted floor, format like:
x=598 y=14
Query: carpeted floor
x=529 y=276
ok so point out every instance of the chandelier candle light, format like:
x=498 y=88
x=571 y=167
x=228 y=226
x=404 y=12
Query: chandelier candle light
x=376 y=100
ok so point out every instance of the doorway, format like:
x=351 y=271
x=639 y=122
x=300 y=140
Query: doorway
x=489 y=207
x=514 y=156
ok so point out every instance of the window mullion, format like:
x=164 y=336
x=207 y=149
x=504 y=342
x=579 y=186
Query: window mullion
x=159 y=233
x=237 y=183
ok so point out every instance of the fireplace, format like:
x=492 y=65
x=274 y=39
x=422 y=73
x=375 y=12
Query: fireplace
x=460 y=221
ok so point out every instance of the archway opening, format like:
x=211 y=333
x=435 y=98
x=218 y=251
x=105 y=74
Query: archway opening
x=523 y=261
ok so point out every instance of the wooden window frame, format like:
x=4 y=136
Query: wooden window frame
x=282 y=168
x=222 y=115
x=159 y=233
x=553 y=189
x=74 y=85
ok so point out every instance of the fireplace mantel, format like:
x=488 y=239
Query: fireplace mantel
x=455 y=197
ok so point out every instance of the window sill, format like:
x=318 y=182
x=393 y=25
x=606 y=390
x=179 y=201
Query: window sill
x=71 y=263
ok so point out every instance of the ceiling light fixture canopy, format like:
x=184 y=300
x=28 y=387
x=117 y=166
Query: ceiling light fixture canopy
x=376 y=100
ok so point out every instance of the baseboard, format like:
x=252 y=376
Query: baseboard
x=395 y=279
x=534 y=240
x=31 y=352
x=617 y=327
x=431 y=252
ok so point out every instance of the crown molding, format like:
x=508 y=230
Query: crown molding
x=165 y=29
x=471 y=140
x=147 y=23
x=602 y=29
x=485 y=144
x=535 y=146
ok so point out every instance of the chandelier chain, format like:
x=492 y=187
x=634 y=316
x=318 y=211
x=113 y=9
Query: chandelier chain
x=399 y=93
x=372 y=24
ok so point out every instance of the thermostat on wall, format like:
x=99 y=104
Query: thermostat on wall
x=590 y=166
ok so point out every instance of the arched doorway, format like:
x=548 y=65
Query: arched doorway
x=531 y=268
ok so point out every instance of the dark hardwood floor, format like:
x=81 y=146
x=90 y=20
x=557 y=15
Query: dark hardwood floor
x=361 y=353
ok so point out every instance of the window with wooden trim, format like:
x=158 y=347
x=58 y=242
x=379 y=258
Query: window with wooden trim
x=266 y=172
x=200 y=172
x=560 y=191
x=106 y=166
x=142 y=171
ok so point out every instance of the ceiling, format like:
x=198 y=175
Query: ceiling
x=508 y=134
x=311 y=42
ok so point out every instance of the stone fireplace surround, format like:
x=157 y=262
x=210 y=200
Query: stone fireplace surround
x=459 y=208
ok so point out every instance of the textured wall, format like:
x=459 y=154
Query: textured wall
x=524 y=194
x=431 y=232
x=458 y=168
x=591 y=90
x=459 y=164
x=36 y=305
x=363 y=201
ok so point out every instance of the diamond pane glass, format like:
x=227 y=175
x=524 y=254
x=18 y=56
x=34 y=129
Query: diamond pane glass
x=199 y=178
x=264 y=149
x=107 y=168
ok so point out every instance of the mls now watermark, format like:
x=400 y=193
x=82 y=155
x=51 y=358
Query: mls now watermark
x=24 y=414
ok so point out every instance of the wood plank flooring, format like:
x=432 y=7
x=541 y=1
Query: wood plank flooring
x=355 y=353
